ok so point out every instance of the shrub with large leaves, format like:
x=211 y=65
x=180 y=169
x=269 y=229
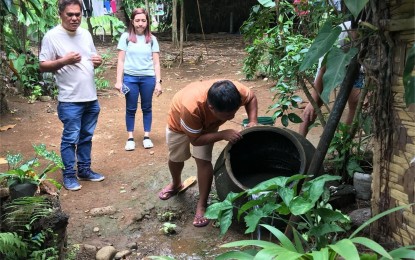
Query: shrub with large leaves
x=280 y=197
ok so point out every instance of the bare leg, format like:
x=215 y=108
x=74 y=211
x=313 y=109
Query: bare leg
x=352 y=102
x=176 y=173
x=173 y=188
x=309 y=115
x=205 y=178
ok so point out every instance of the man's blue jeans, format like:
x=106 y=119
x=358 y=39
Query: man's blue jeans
x=144 y=86
x=79 y=121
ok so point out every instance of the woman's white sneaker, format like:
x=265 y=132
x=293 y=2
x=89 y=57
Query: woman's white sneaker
x=147 y=143
x=129 y=145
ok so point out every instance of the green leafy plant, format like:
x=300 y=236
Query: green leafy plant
x=41 y=251
x=12 y=245
x=168 y=228
x=72 y=251
x=36 y=93
x=287 y=100
x=26 y=171
x=105 y=24
x=276 y=50
x=316 y=233
x=338 y=150
x=345 y=248
x=255 y=32
x=166 y=216
x=49 y=86
x=21 y=216
x=26 y=210
x=345 y=154
x=279 y=197
x=24 y=24
x=26 y=70
x=100 y=81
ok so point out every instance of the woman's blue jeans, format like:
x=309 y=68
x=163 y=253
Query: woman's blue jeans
x=144 y=86
x=79 y=121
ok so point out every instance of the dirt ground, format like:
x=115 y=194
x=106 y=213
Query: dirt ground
x=134 y=178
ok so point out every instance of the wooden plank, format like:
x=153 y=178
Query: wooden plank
x=376 y=182
x=410 y=131
x=399 y=99
x=401 y=239
x=398 y=195
x=399 y=57
x=405 y=232
x=403 y=115
x=393 y=177
x=402 y=8
x=409 y=218
x=409 y=183
x=407 y=156
x=410 y=229
x=399 y=159
x=406 y=36
x=409 y=123
x=396 y=168
x=397 y=173
x=397 y=88
x=396 y=186
x=410 y=147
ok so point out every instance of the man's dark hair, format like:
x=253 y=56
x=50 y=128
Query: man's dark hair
x=62 y=4
x=223 y=96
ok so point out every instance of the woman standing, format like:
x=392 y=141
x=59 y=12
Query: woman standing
x=138 y=73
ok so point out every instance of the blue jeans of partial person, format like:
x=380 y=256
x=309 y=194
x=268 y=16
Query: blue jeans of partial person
x=139 y=86
x=79 y=121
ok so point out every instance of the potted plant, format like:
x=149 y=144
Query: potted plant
x=24 y=177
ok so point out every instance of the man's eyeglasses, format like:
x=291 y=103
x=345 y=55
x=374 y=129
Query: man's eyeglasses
x=73 y=14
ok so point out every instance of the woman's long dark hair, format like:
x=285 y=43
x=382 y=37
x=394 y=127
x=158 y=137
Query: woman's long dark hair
x=131 y=30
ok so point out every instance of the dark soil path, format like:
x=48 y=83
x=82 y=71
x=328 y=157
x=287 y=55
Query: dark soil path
x=133 y=179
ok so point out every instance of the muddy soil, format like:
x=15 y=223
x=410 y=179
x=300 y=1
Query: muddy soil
x=134 y=178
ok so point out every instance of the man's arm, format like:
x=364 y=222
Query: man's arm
x=60 y=62
x=229 y=135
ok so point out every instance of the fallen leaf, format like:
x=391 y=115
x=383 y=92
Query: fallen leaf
x=6 y=127
x=3 y=161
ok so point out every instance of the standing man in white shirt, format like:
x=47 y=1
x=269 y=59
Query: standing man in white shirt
x=69 y=52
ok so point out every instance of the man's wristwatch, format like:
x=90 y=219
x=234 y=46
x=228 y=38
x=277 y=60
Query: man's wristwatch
x=159 y=81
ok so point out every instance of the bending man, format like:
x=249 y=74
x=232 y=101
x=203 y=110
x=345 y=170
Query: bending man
x=194 y=118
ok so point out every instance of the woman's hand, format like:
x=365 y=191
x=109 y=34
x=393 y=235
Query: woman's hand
x=118 y=86
x=158 y=90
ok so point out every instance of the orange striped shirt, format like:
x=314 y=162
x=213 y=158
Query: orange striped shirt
x=189 y=113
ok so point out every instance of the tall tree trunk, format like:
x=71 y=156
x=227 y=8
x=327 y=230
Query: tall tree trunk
x=182 y=29
x=3 y=101
x=88 y=22
x=174 y=38
x=147 y=7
